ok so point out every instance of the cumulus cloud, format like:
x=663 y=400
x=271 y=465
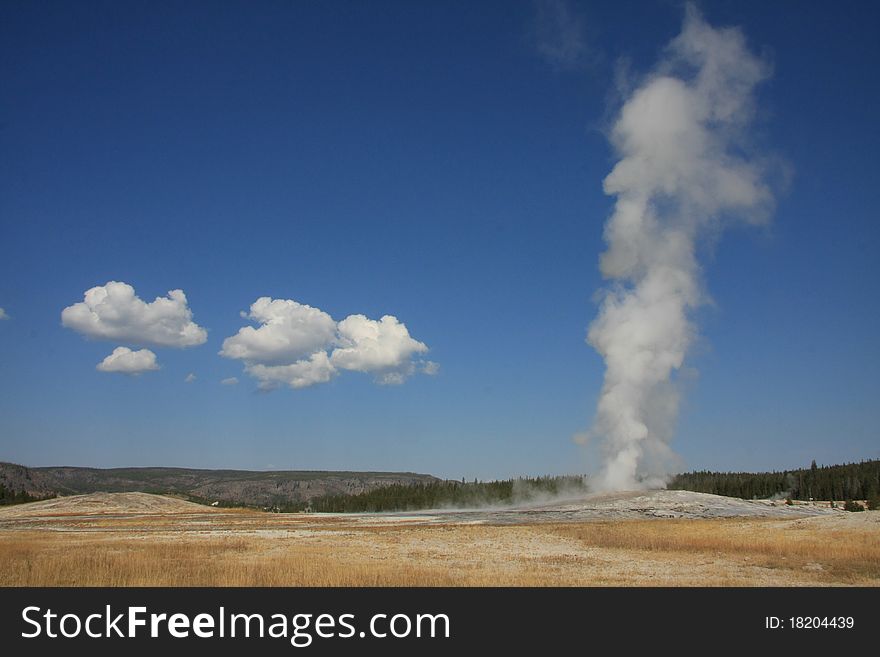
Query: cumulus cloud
x=300 y=346
x=288 y=331
x=231 y=381
x=301 y=374
x=114 y=312
x=366 y=345
x=190 y=378
x=126 y=361
x=3 y=314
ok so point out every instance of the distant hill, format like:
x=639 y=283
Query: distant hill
x=228 y=487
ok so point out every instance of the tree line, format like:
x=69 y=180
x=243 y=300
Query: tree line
x=851 y=481
x=443 y=494
x=10 y=496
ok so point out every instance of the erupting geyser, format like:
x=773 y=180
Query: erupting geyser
x=684 y=169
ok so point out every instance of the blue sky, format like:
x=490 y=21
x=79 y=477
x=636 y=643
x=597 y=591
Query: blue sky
x=438 y=162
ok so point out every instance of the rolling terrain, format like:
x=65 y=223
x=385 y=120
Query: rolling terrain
x=234 y=487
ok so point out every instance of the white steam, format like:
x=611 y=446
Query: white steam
x=683 y=172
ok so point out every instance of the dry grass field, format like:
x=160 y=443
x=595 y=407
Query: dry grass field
x=145 y=540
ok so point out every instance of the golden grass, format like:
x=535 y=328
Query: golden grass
x=52 y=560
x=850 y=556
x=307 y=551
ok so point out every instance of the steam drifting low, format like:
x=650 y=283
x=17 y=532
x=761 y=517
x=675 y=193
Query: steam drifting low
x=684 y=170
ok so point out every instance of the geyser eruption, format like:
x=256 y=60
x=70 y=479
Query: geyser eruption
x=683 y=173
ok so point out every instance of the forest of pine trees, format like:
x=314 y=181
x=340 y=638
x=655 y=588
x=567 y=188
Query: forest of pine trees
x=852 y=481
x=454 y=494
x=9 y=496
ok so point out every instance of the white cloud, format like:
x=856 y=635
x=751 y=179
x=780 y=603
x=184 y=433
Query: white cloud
x=190 y=378
x=299 y=346
x=114 y=312
x=301 y=374
x=126 y=361
x=366 y=345
x=430 y=368
x=231 y=381
x=3 y=314
x=289 y=331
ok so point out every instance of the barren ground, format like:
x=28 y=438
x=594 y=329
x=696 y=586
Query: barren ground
x=672 y=538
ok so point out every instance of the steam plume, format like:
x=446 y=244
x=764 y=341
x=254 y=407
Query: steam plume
x=683 y=172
